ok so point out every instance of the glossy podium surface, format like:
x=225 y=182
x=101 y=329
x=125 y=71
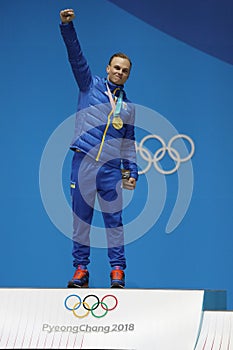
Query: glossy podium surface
x=104 y=318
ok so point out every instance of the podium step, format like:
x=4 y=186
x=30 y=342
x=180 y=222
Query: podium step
x=216 y=331
x=128 y=319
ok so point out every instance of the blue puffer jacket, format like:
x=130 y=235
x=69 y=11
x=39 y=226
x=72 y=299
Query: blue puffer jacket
x=94 y=132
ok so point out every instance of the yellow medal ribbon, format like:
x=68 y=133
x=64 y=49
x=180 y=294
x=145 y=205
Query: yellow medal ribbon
x=117 y=122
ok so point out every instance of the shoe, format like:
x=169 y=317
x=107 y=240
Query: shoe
x=80 y=279
x=117 y=278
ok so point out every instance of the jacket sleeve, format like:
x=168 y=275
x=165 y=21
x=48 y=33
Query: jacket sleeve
x=128 y=148
x=78 y=62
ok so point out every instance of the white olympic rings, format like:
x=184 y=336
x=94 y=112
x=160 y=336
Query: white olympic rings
x=160 y=153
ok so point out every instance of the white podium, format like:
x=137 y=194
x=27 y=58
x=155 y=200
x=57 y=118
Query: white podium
x=139 y=319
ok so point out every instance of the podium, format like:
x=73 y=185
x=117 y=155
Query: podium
x=124 y=319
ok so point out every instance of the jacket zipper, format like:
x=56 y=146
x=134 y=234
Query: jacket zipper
x=104 y=135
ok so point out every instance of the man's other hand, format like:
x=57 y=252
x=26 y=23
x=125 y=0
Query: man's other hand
x=129 y=184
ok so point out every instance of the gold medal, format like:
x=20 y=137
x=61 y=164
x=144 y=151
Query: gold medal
x=117 y=122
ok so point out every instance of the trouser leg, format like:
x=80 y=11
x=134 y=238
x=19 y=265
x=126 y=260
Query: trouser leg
x=110 y=199
x=82 y=208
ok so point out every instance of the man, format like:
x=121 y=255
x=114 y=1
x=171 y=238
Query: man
x=104 y=146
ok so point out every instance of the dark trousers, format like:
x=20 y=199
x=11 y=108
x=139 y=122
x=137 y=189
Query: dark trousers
x=88 y=180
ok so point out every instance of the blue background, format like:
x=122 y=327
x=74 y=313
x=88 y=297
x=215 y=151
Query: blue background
x=182 y=68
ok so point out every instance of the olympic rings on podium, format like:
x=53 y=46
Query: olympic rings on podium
x=89 y=308
x=160 y=153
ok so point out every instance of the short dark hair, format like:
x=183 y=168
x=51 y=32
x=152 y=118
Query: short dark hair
x=122 y=55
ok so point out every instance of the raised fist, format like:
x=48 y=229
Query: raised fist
x=67 y=15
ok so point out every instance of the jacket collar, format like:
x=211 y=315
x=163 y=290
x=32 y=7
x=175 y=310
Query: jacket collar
x=113 y=87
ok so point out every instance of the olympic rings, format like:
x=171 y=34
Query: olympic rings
x=160 y=153
x=109 y=296
x=97 y=304
x=105 y=313
x=76 y=307
x=79 y=304
x=89 y=308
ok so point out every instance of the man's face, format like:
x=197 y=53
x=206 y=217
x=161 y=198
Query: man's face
x=118 y=71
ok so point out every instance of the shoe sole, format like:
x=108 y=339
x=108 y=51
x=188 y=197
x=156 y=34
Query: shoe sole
x=117 y=285
x=73 y=285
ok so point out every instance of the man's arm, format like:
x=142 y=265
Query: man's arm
x=128 y=154
x=77 y=60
